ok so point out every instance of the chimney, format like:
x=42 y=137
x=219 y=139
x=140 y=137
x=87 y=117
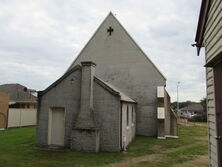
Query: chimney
x=85 y=135
x=86 y=118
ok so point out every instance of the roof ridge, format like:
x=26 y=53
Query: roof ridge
x=114 y=90
x=143 y=53
x=77 y=67
x=99 y=81
x=73 y=62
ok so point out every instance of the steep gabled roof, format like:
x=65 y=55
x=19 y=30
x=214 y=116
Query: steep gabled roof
x=111 y=15
x=114 y=90
x=102 y=83
x=77 y=67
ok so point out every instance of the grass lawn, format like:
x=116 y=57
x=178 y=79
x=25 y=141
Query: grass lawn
x=17 y=149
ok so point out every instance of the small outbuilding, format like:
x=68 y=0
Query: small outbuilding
x=85 y=113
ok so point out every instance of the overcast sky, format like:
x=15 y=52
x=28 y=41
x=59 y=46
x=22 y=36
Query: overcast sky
x=39 y=39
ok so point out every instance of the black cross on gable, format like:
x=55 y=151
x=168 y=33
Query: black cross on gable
x=110 y=30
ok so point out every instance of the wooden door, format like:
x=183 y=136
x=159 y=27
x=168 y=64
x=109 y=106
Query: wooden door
x=218 y=103
x=57 y=126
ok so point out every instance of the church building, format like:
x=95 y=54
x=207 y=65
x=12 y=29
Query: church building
x=111 y=92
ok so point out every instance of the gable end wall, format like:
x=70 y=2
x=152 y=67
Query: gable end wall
x=123 y=64
x=66 y=95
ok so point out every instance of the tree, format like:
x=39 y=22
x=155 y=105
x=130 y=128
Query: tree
x=181 y=104
x=203 y=102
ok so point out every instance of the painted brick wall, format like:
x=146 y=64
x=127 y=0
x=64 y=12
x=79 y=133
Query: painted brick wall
x=107 y=111
x=65 y=94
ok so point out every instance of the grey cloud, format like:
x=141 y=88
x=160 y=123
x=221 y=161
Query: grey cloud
x=39 y=39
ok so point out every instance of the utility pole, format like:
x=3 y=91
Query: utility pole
x=178 y=83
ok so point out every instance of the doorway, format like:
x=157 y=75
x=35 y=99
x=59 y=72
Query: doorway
x=56 y=126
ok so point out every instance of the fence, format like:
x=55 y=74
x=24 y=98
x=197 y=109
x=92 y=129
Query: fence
x=21 y=117
x=4 y=99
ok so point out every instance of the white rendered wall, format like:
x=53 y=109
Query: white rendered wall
x=128 y=131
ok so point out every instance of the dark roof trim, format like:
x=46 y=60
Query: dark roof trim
x=77 y=67
x=216 y=60
x=205 y=6
x=101 y=83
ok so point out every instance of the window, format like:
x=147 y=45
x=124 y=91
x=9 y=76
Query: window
x=132 y=114
x=127 y=116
